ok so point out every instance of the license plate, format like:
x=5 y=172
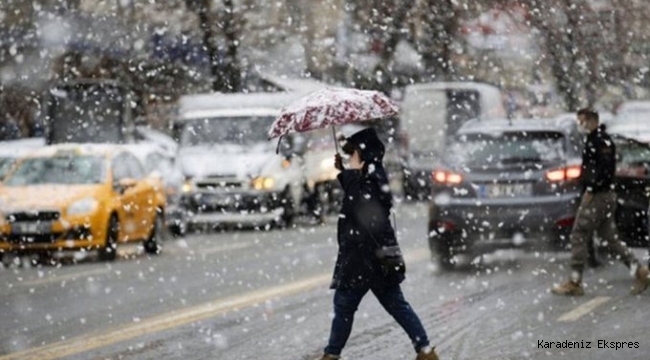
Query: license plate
x=506 y=190
x=216 y=200
x=31 y=228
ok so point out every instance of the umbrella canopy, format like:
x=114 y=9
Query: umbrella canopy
x=329 y=107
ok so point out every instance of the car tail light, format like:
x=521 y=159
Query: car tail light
x=445 y=226
x=564 y=174
x=566 y=222
x=446 y=177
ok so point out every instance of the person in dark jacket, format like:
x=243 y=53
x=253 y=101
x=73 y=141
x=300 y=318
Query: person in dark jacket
x=363 y=226
x=597 y=209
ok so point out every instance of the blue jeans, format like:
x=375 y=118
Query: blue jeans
x=346 y=302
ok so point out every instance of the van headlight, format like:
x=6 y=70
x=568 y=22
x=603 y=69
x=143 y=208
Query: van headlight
x=327 y=164
x=83 y=206
x=263 y=183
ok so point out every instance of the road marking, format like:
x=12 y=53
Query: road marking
x=177 y=318
x=226 y=247
x=165 y=321
x=583 y=309
x=73 y=276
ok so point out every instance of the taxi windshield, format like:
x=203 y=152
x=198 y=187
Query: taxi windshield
x=58 y=170
x=240 y=130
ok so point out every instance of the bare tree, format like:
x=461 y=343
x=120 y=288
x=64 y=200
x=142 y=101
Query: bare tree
x=439 y=31
x=230 y=22
x=390 y=39
x=226 y=75
x=386 y=23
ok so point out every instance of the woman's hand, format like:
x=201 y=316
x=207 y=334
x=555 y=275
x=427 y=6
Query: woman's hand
x=338 y=162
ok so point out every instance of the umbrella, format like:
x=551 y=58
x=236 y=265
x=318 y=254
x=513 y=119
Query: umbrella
x=331 y=107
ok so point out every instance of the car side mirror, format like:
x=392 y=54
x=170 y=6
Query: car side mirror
x=287 y=147
x=124 y=184
x=156 y=175
x=299 y=144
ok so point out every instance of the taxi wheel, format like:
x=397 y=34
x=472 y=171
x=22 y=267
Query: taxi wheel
x=109 y=251
x=152 y=244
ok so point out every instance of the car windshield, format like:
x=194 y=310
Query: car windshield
x=5 y=165
x=57 y=170
x=241 y=130
x=482 y=149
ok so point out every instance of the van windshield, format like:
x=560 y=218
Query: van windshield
x=508 y=148
x=240 y=130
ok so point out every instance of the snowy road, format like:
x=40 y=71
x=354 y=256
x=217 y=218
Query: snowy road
x=249 y=295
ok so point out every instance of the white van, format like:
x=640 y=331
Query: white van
x=430 y=114
x=232 y=172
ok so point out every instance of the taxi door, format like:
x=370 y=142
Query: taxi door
x=143 y=197
x=125 y=188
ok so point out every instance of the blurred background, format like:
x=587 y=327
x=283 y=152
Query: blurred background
x=547 y=57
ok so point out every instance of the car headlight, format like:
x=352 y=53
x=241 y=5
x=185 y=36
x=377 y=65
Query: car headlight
x=327 y=164
x=187 y=186
x=83 y=206
x=263 y=183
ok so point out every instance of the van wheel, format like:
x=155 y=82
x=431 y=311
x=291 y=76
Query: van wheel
x=109 y=251
x=153 y=244
x=289 y=213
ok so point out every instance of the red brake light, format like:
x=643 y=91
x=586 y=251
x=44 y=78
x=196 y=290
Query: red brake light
x=563 y=174
x=439 y=177
x=555 y=175
x=446 y=177
x=573 y=172
x=454 y=178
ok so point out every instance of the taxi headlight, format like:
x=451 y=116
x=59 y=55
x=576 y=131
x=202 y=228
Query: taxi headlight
x=263 y=183
x=187 y=186
x=83 y=206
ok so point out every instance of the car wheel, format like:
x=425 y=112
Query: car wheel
x=153 y=244
x=177 y=230
x=109 y=251
x=441 y=251
x=323 y=202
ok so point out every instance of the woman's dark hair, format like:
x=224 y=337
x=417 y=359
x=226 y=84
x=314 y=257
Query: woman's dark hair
x=348 y=148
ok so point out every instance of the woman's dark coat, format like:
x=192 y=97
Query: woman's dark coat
x=364 y=221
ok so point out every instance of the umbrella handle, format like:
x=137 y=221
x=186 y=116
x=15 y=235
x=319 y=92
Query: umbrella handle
x=277 y=148
x=336 y=143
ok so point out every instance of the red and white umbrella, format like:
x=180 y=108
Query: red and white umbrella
x=331 y=107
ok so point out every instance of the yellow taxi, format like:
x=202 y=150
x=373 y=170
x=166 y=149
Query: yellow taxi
x=80 y=197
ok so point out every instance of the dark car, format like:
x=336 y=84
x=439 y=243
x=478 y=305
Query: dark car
x=515 y=184
x=505 y=184
x=632 y=189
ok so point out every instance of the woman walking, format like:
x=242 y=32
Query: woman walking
x=363 y=226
